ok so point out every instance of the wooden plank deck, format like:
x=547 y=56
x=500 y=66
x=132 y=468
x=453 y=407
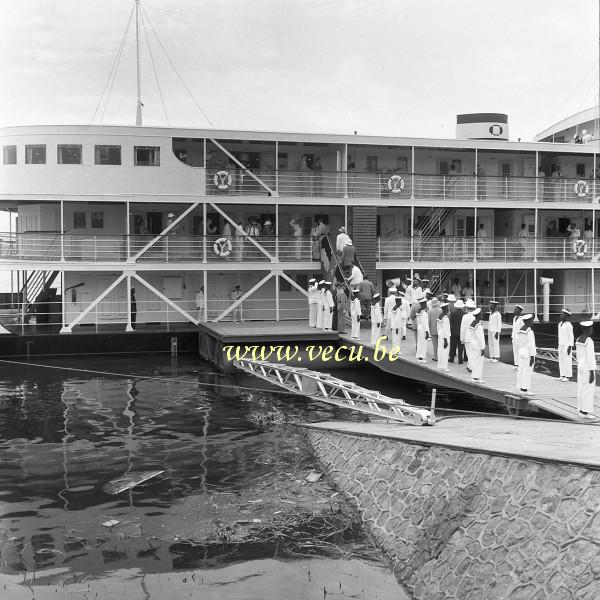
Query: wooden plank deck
x=268 y=330
x=499 y=379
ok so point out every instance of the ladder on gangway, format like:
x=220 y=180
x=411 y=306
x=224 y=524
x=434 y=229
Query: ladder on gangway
x=331 y=390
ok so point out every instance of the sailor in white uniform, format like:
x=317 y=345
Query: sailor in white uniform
x=376 y=319
x=409 y=290
x=465 y=331
x=526 y=354
x=443 y=332
x=319 y=299
x=328 y=305
x=422 y=330
x=388 y=304
x=477 y=346
x=355 y=313
x=494 y=329
x=517 y=323
x=405 y=314
x=396 y=323
x=566 y=341
x=586 y=371
x=313 y=302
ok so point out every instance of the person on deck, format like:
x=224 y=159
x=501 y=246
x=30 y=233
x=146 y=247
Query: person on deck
x=366 y=293
x=200 y=304
x=443 y=336
x=396 y=324
x=236 y=294
x=586 y=371
x=566 y=342
x=328 y=305
x=494 y=329
x=319 y=297
x=465 y=331
x=434 y=314
x=517 y=323
x=422 y=330
x=477 y=343
x=342 y=308
x=527 y=352
x=342 y=239
x=313 y=302
x=348 y=258
x=456 y=346
x=388 y=304
x=355 y=313
x=376 y=319
x=405 y=314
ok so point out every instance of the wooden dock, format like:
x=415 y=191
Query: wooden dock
x=499 y=379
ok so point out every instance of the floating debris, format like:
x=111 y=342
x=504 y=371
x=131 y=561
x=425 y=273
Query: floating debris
x=110 y=523
x=129 y=481
x=313 y=477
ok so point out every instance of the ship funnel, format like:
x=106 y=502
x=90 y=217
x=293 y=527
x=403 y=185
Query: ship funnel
x=482 y=126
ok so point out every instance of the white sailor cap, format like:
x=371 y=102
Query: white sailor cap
x=321 y=282
x=566 y=311
x=459 y=304
x=587 y=323
x=375 y=296
x=477 y=311
x=421 y=299
x=327 y=282
x=469 y=303
x=493 y=301
x=311 y=280
x=451 y=298
x=392 y=289
x=519 y=306
x=400 y=293
x=355 y=291
x=527 y=317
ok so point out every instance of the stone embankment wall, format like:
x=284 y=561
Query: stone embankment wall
x=465 y=525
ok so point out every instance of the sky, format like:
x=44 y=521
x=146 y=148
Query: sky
x=379 y=67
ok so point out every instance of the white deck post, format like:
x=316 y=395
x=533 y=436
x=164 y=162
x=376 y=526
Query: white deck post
x=412 y=233
x=593 y=292
x=128 y=226
x=535 y=302
x=412 y=172
x=535 y=234
x=277 y=297
x=205 y=281
x=476 y=176
x=537 y=167
x=204 y=256
x=128 y=327
x=475 y=235
x=62 y=231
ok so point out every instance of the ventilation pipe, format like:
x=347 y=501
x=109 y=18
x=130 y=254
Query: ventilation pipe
x=546 y=282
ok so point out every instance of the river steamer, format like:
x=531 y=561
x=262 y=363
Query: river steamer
x=98 y=210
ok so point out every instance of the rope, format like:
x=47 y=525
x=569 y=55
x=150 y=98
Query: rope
x=114 y=67
x=154 y=69
x=173 y=67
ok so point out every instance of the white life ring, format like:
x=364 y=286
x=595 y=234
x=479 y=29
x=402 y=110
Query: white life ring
x=222 y=247
x=581 y=188
x=223 y=180
x=580 y=248
x=395 y=184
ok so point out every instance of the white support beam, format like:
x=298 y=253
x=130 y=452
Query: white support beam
x=69 y=328
x=245 y=169
x=236 y=227
x=165 y=299
x=251 y=291
x=165 y=231
x=129 y=326
x=294 y=284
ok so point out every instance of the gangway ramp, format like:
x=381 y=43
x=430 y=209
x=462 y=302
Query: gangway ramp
x=331 y=390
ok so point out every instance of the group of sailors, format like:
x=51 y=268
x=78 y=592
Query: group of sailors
x=454 y=328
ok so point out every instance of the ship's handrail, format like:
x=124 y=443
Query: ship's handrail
x=331 y=390
x=552 y=354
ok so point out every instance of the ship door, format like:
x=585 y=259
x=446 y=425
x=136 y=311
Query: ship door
x=155 y=222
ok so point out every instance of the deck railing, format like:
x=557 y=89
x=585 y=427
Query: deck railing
x=366 y=184
x=41 y=246
x=505 y=249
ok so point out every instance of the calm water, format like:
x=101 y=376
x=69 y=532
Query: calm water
x=66 y=435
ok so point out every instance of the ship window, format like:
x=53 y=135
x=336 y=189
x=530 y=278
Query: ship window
x=9 y=155
x=69 y=154
x=148 y=156
x=108 y=155
x=35 y=154
x=580 y=170
x=97 y=220
x=78 y=220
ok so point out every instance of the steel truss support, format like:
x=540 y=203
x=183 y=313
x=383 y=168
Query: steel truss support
x=245 y=169
x=165 y=299
x=243 y=297
x=247 y=237
x=69 y=328
x=164 y=232
x=331 y=390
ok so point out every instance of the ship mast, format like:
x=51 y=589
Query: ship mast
x=138 y=114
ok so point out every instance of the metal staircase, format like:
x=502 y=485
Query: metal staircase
x=433 y=223
x=437 y=279
x=37 y=283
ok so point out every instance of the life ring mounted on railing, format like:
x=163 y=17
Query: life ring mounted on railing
x=580 y=248
x=395 y=184
x=222 y=247
x=223 y=180
x=581 y=188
